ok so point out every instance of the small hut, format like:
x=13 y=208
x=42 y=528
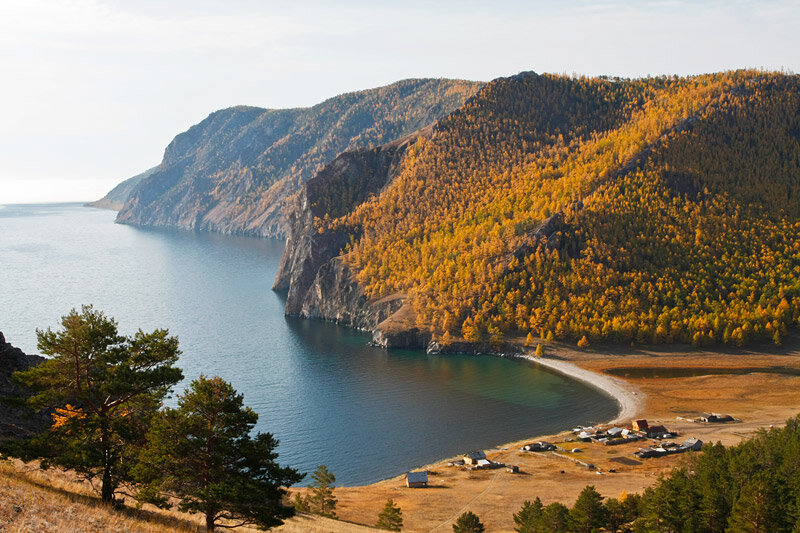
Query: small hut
x=417 y=479
x=614 y=432
x=472 y=458
x=693 y=444
x=657 y=432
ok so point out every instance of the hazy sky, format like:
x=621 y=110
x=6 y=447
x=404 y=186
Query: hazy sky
x=94 y=90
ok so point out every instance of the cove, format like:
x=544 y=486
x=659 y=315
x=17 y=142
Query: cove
x=329 y=397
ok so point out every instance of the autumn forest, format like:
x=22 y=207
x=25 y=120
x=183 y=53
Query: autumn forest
x=588 y=210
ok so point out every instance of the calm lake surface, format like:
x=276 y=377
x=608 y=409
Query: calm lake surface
x=365 y=412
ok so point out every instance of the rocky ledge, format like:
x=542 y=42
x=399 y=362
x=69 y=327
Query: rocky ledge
x=318 y=281
x=15 y=420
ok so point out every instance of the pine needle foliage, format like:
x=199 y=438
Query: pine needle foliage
x=390 y=518
x=102 y=389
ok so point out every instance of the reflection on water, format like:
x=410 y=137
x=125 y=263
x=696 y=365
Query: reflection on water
x=327 y=396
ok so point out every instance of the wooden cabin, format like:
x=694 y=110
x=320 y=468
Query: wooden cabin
x=416 y=480
x=472 y=458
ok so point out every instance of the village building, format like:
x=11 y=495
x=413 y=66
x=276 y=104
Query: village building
x=655 y=432
x=540 y=446
x=417 y=479
x=693 y=444
x=614 y=432
x=483 y=463
x=714 y=417
x=472 y=458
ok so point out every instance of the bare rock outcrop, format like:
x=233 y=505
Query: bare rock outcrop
x=319 y=283
x=15 y=420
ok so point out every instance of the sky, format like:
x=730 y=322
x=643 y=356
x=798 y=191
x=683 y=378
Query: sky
x=94 y=90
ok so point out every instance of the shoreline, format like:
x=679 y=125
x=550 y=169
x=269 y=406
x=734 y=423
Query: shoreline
x=631 y=400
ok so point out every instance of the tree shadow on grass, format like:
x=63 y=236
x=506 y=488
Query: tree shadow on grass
x=145 y=515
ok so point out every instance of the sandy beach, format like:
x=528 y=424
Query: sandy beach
x=665 y=385
x=631 y=400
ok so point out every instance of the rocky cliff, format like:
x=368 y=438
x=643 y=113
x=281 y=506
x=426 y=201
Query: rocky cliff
x=235 y=171
x=15 y=420
x=319 y=282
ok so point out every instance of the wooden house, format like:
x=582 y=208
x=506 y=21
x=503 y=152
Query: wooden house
x=417 y=479
x=472 y=458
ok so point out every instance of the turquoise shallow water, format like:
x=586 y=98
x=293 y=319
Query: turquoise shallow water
x=327 y=396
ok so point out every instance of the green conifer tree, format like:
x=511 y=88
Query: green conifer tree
x=202 y=454
x=555 y=518
x=102 y=389
x=529 y=517
x=588 y=514
x=757 y=509
x=321 y=501
x=390 y=518
x=468 y=522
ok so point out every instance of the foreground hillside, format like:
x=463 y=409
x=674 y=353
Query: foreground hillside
x=232 y=172
x=649 y=211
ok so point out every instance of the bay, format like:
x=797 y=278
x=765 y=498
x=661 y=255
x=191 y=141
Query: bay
x=329 y=397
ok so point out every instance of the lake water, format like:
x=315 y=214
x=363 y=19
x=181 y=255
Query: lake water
x=365 y=412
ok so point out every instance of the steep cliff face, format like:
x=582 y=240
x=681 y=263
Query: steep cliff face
x=234 y=171
x=319 y=283
x=15 y=420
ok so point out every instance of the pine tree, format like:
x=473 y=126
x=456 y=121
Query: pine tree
x=528 y=518
x=757 y=509
x=539 y=350
x=321 y=501
x=672 y=504
x=468 y=522
x=588 y=514
x=616 y=515
x=390 y=518
x=300 y=503
x=555 y=518
x=103 y=389
x=202 y=454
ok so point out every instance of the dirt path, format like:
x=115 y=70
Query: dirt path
x=466 y=507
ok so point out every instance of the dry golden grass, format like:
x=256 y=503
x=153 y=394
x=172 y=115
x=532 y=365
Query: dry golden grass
x=35 y=500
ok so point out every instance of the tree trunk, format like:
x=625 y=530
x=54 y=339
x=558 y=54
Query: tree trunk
x=210 y=520
x=107 y=491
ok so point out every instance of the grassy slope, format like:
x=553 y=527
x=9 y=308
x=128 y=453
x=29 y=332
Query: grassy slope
x=34 y=500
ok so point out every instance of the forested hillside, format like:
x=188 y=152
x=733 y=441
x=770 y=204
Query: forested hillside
x=594 y=209
x=233 y=171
